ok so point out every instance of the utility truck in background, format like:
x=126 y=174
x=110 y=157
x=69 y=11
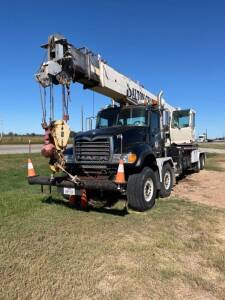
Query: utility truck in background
x=140 y=143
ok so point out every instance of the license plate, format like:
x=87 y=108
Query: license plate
x=69 y=191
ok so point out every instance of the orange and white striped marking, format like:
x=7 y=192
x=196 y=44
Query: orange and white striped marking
x=120 y=176
x=30 y=169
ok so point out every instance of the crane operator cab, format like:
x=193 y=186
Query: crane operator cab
x=182 y=128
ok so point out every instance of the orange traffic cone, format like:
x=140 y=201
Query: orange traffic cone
x=84 y=200
x=120 y=176
x=30 y=169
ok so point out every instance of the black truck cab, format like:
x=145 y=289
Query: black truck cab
x=130 y=132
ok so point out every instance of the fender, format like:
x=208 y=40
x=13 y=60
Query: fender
x=143 y=151
x=161 y=162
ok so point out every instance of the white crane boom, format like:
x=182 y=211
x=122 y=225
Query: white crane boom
x=68 y=64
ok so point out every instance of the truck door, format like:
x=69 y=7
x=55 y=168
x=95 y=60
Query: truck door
x=155 y=134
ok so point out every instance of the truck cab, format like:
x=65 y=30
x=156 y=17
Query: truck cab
x=131 y=132
x=182 y=129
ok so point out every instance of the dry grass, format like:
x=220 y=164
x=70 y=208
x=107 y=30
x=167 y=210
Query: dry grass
x=215 y=162
x=21 y=140
x=50 y=251
x=219 y=145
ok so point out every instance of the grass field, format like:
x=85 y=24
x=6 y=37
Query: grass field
x=215 y=162
x=220 y=145
x=51 y=251
x=21 y=140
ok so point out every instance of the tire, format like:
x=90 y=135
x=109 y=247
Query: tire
x=197 y=166
x=202 y=162
x=141 y=190
x=167 y=181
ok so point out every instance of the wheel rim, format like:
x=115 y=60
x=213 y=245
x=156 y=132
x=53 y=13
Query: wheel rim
x=148 y=190
x=167 y=180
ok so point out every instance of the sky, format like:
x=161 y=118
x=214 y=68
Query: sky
x=177 y=46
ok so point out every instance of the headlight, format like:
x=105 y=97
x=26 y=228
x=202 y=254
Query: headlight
x=128 y=158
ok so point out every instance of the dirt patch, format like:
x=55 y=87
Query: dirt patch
x=206 y=187
x=222 y=165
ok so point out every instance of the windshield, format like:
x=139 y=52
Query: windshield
x=181 y=119
x=106 y=118
x=136 y=116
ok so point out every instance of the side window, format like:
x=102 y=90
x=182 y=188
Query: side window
x=181 y=119
x=155 y=122
x=103 y=123
x=166 y=118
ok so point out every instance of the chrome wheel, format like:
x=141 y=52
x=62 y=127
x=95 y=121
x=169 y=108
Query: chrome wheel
x=167 y=180
x=148 y=190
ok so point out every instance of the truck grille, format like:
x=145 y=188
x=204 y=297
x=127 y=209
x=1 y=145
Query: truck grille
x=95 y=150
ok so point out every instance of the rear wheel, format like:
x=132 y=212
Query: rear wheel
x=202 y=162
x=197 y=166
x=141 y=190
x=167 y=181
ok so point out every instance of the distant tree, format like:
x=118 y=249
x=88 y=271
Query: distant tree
x=10 y=133
x=33 y=134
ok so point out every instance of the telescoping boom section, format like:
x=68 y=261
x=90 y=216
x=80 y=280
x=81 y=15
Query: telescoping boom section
x=67 y=64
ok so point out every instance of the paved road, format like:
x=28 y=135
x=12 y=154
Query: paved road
x=36 y=148
x=13 y=149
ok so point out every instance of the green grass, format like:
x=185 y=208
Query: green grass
x=213 y=145
x=48 y=250
x=215 y=162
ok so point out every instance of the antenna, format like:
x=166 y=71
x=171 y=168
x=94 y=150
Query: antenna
x=93 y=104
x=82 y=118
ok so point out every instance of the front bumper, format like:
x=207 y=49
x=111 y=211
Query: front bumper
x=62 y=181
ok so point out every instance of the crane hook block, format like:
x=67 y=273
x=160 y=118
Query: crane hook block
x=60 y=132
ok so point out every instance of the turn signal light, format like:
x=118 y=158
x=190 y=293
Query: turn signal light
x=132 y=157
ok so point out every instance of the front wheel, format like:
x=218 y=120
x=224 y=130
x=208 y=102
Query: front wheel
x=141 y=190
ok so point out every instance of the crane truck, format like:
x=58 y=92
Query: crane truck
x=140 y=143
